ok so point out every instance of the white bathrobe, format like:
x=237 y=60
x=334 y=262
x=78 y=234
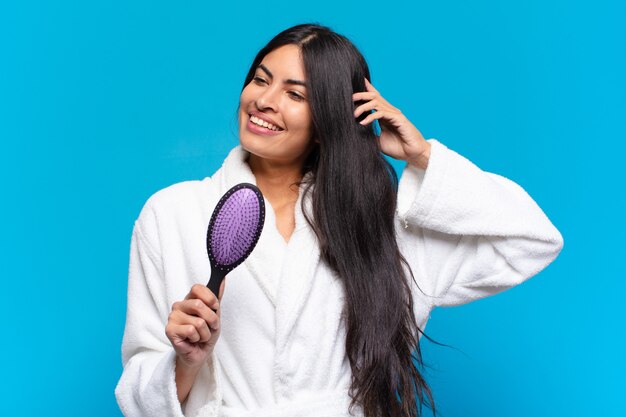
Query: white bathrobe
x=466 y=233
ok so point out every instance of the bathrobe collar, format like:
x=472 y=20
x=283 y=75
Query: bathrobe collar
x=288 y=285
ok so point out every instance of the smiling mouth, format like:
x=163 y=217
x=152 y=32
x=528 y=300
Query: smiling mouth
x=263 y=124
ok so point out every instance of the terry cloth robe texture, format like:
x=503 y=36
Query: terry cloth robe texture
x=466 y=233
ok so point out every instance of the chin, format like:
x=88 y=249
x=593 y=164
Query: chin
x=250 y=144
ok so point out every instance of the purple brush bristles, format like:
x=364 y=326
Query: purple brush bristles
x=235 y=226
x=234 y=229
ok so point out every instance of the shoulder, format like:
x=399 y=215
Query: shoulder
x=179 y=201
x=180 y=193
x=184 y=204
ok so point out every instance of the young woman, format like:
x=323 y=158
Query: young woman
x=325 y=316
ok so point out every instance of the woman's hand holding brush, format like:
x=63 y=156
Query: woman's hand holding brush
x=193 y=328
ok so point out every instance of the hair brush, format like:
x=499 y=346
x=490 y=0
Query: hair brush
x=234 y=230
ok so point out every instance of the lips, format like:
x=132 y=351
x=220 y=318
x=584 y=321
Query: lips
x=266 y=118
x=260 y=130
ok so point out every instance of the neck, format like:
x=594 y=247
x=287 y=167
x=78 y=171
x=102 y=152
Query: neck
x=274 y=179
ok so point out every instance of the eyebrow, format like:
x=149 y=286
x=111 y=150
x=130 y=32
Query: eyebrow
x=287 y=81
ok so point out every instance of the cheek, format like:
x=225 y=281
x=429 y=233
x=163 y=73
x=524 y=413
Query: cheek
x=243 y=98
x=244 y=105
x=246 y=94
x=300 y=119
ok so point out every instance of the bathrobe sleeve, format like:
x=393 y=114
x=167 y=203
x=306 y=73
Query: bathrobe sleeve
x=147 y=386
x=471 y=233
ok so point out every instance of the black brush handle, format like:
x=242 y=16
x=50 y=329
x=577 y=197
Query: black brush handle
x=217 y=276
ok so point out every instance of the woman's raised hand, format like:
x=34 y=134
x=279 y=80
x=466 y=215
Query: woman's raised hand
x=193 y=325
x=399 y=139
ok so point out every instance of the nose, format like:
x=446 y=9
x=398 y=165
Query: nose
x=267 y=100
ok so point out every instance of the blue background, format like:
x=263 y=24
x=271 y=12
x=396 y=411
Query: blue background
x=102 y=104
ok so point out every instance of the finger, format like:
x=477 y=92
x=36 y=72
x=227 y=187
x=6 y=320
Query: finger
x=372 y=117
x=369 y=86
x=178 y=332
x=196 y=308
x=370 y=105
x=183 y=319
x=369 y=96
x=364 y=95
x=222 y=287
x=203 y=293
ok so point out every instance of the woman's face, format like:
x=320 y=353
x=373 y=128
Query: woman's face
x=277 y=94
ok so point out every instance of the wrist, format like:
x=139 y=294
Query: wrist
x=184 y=376
x=187 y=368
x=420 y=161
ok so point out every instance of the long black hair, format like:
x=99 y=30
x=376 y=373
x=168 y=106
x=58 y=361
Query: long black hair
x=354 y=203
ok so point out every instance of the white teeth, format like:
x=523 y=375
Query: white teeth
x=263 y=123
